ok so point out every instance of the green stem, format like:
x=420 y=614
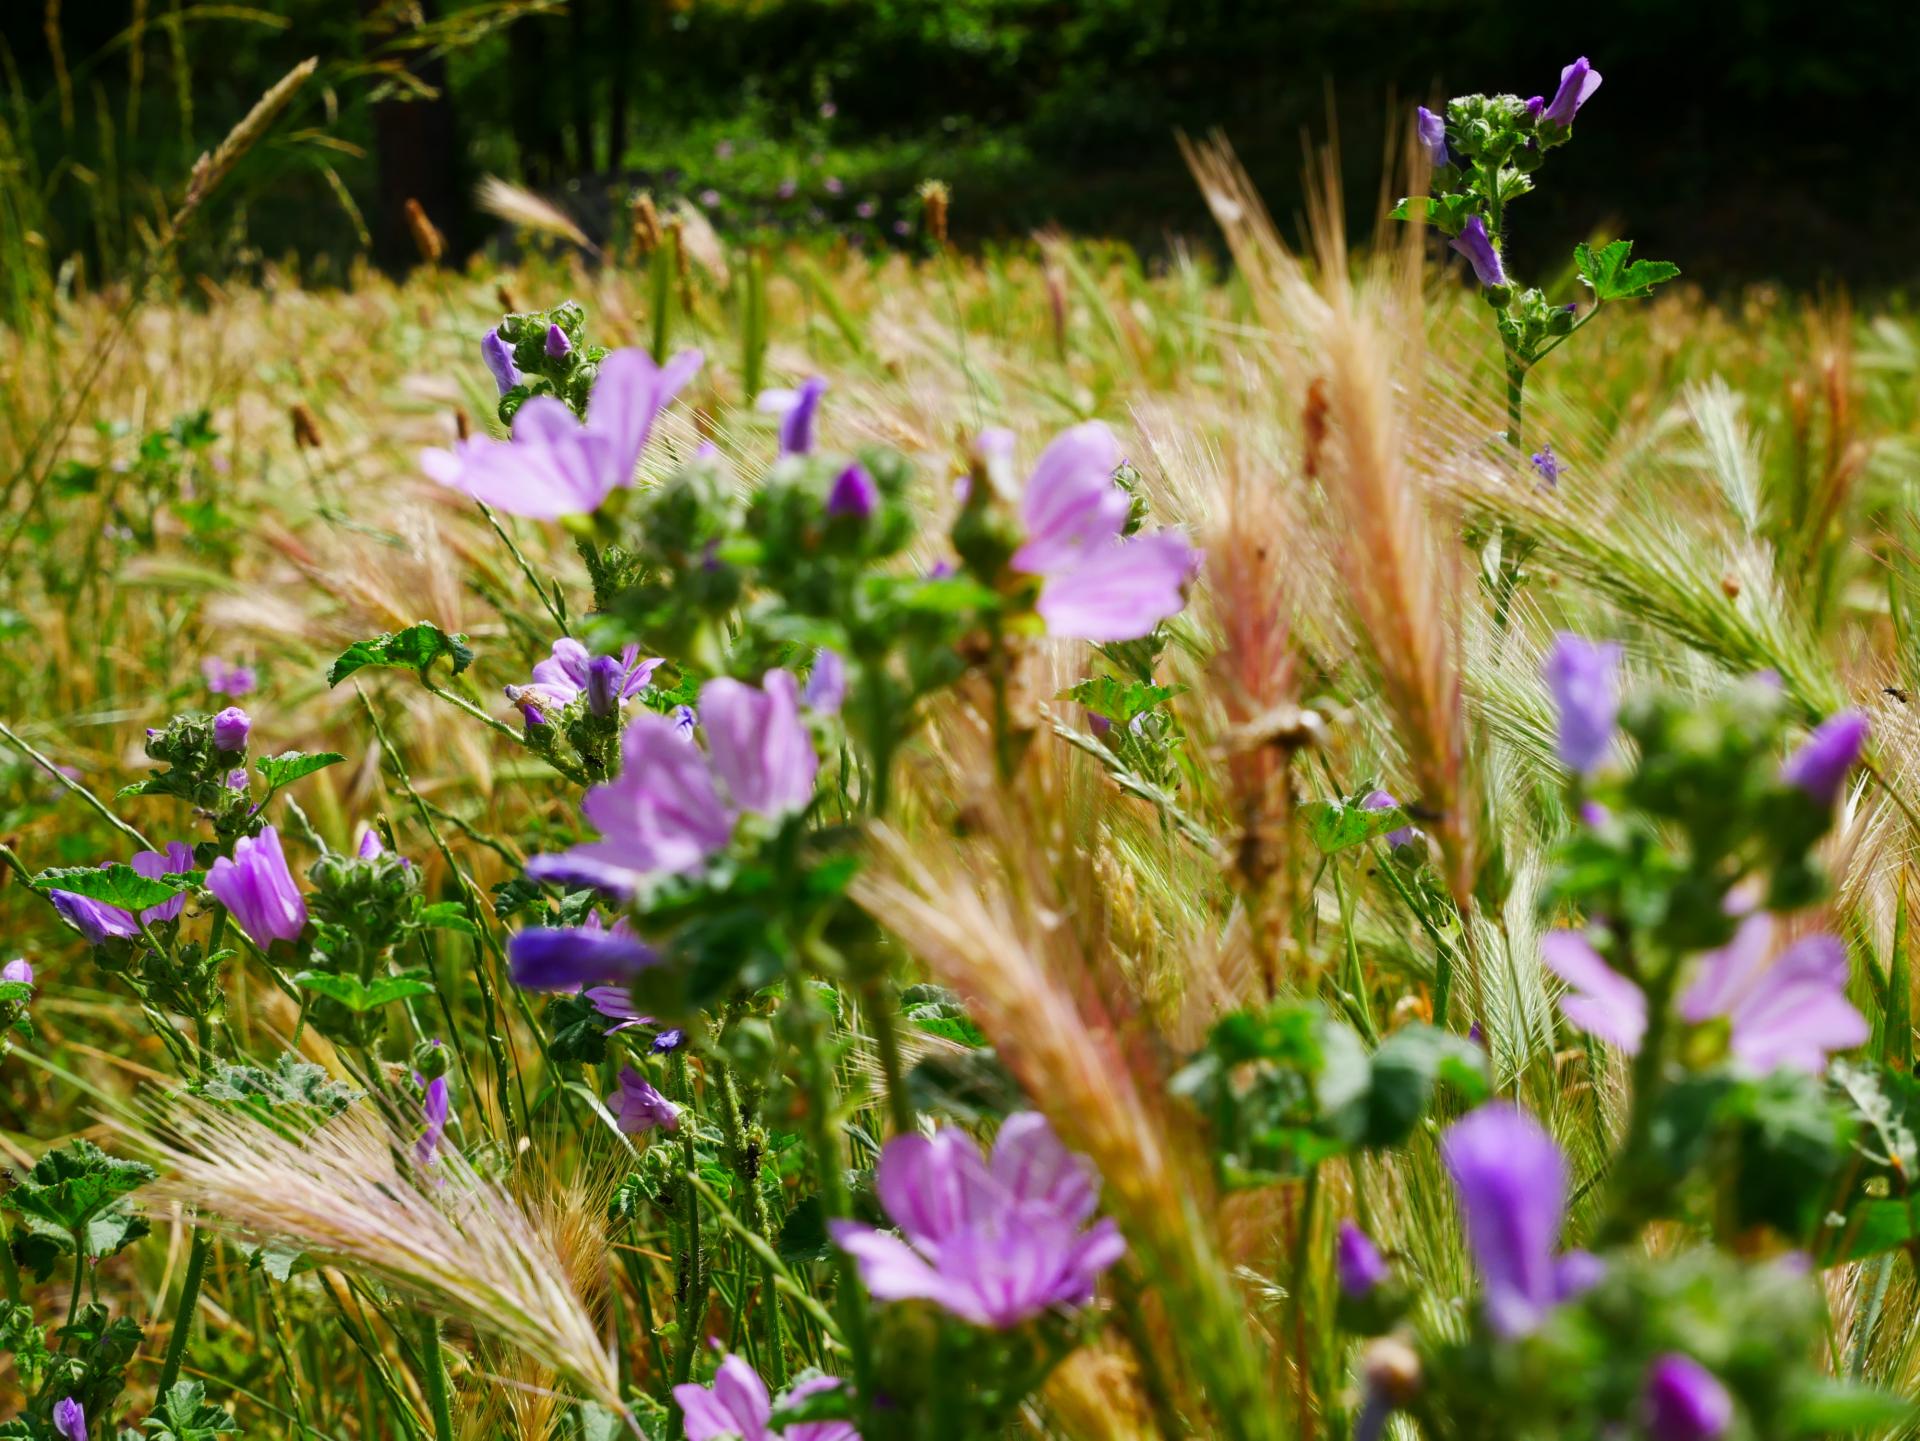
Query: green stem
x=744 y=1157
x=183 y=1312
x=433 y=1364
x=693 y=1301
x=79 y=1266
x=878 y=998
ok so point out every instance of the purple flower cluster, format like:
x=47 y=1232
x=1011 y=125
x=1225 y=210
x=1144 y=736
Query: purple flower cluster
x=100 y=922
x=225 y=679
x=1096 y=583
x=608 y=682
x=738 y=1407
x=554 y=465
x=993 y=1242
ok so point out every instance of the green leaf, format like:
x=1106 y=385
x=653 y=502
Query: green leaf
x=289 y=766
x=291 y=1082
x=117 y=885
x=1337 y=826
x=1609 y=276
x=1409 y=1066
x=1842 y=1408
x=72 y=1185
x=185 y=1414
x=1119 y=700
x=350 y=992
x=41 y=1243
x=447 y=916
x=415 y=648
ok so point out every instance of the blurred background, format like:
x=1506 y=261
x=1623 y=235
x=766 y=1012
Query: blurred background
x=1745 y=139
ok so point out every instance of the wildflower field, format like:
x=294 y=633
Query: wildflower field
x=673 y=835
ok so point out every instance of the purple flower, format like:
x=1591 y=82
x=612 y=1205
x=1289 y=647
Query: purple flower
x=1547 y=465
x=433 y=1110
x=1384 y=801
x=1789 y=1009
x=567 y=674
x=1536 y=106
x=1096 y=584
x=1821 y=764
x=1583 y=679
x=555 y=466
x=1512 y=1182
x=1599 y=1000
x=499 y=358
x=1474 y=243
x=616 y=1005
x=230 y=729
x=671 y=1039
x=564 y=958
x=99 y=921
x=258 y=888
x=826 y=684
x=604 y=677
x=19 y=970
x=867 y=209
x=558 y=346
x=834 y=185
x=796 y=410
x=640 y=1107
x=70 y=1420
x=787 y=189
x=370 y=847
x=994 y=1243
x=853 y=493
x=1432 y=130
x=1684 y=1401
x=224 y=679
x=236 y=780
x=710 y=197
x=737 y=1408
x=1577 y=84
x=176 y=860
x=1357 y=1262
x=685 y=721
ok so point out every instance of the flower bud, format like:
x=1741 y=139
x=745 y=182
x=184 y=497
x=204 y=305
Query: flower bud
x=604 y=677
x=431 y=1060
x=1684 y=1401
x=853 y=494
x=558 y=346
x=499 y=358
x=1820 y=766
x=1358 y=1262
x=17 y=970
x=230 y=730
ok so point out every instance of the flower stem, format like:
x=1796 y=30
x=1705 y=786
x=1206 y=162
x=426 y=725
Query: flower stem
x=433 y=1365
x=693 y=1297
x=744 y=1156
x=183 y=1312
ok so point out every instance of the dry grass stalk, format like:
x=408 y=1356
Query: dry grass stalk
x=520 y=207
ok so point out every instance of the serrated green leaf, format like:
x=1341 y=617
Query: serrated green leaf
x=1337 y=826
x=116 y=885
x=291 y=1082
x=415 y=648
x=1609 y=275
x=447 y=916
x=360 y=997
x=289 y=766
x=1119 y=700
x=69 y=1186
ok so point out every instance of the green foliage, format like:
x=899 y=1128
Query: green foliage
x=1338 y=825
x=185 y=1414
x=69 y=1186
x=416 y=648
x=362 y=996
x=1609 y=276
x=290 y=766
x=291 y=1082
x=116 y=884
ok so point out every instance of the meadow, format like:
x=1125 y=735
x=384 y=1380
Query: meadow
x=1366 y=894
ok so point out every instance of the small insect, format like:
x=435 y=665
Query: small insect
x=1898 y=694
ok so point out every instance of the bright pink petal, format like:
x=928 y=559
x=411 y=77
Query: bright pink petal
x=758 y=744
x=1072 y=503
x=1121 y=591
x=891 y=1270
x=1798 y=1013
x=930 y=1186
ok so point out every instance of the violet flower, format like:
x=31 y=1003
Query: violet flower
x=671 y=1039
x=1583 y=677
x=100 y=922
x=564 y=958
x=1512 y=1182
x=1474 y=243
x=1577 y=84
x=19 y=970
x=566 y=675
x=498 y=356
x=796 y=410
x=826 y=688
x=672 y=807
x=1384 y=801
x=433 y=1110
x=1547 y=466
x=554 y=465
x=176 y=860
x=737 y=1407
x=370 y=847
x=685 y=721
x=70 y=1420
x=639 y=1107
x=1432 y=130
x=1787 y=1010
x=558 y=346
x=224 y=679
x=256 y=886
x=230 y=730
x=1357 y=1262
x=1821 y=764
x=1684 y=1401
x=1096 y=584
x=853 y=493
x=616 y=1005
x=992 y=1242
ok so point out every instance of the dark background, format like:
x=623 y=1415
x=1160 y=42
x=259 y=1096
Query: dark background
x=1747 y=139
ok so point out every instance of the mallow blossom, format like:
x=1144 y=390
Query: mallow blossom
x=1684 y=1401
x=572 y=671
x=826 y=688
x=565 y=958
x=1096 y=583
x=738 y=1407
x=556 y=466
x=1357 y=1262
x=70 y=1420
x=1432 y=130
x=18 y=970
x=1474 y=243
x=1583 y=677
x=498 y=356
x=99 y=922
x=1512 y=1183
x=1789 y=1009
x=1821 y=764
x=673 y=806
x=433 y=1112
x=796 y=409
x=231 y=728
x=1384 y=801
x=994 y=1242
x=1577 y=84
x=225 y=679
x=639 y=1107
x=256 y=886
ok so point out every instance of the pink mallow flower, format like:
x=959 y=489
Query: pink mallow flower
x=556 y=466
x=1096 y=583
x=995 y=1242
x=1787 y=1009
x=737 y=1407
x=259 y=889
